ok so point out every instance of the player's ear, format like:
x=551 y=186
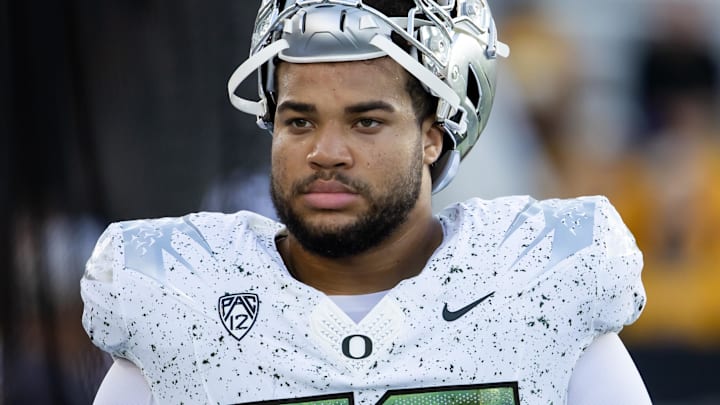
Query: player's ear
x=432 y=141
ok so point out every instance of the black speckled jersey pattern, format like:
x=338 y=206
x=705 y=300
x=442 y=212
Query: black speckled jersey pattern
x=205 y=307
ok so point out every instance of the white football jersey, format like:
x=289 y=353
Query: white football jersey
x=205 y=307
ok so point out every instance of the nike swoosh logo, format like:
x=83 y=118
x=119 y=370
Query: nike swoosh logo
x=455 y=315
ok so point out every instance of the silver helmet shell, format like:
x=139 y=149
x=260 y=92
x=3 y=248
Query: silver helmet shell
x=452 y=49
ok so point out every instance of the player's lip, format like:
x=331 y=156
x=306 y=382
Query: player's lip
x=328 y=186
x=329 y=195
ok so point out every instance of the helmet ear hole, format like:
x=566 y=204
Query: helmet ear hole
x=343 y=15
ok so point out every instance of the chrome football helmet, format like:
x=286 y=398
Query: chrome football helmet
x=452 y=52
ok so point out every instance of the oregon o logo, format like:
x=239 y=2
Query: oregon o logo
x=357 y=347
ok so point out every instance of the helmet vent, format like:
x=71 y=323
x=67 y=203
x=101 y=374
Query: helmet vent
x=303 y=22
x=343 y=14
x=474 y=91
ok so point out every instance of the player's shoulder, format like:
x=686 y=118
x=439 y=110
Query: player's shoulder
x=516 y=203
x=512 y=211
x=212 y=228
x=593 y=216
x=522 y=222
x=125 y=242
x=209 y=222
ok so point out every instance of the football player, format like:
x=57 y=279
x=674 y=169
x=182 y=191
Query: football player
x=361 y=294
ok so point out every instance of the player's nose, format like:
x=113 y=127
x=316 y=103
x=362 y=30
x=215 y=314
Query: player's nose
x=330 y=148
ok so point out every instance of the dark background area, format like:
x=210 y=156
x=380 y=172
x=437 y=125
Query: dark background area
x=109 y=110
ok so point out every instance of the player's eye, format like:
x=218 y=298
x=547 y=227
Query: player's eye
x=299 y=123
x=367 y=123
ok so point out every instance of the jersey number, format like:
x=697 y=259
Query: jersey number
x=482 y=394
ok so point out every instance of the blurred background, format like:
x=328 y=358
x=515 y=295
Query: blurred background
x=117 y=109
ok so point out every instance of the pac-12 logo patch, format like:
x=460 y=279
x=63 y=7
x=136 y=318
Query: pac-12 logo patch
x=238 y=313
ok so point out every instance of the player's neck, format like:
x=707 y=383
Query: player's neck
x=402 y=256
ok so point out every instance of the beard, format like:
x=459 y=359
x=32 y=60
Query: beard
x=388 y=209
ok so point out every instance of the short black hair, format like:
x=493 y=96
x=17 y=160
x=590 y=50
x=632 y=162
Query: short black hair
x=424 y=104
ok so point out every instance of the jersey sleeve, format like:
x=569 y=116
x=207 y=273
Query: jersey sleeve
x=124 y=383
x=620 y=296
x=103 y=316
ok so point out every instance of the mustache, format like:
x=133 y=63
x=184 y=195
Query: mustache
x=303 y=185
